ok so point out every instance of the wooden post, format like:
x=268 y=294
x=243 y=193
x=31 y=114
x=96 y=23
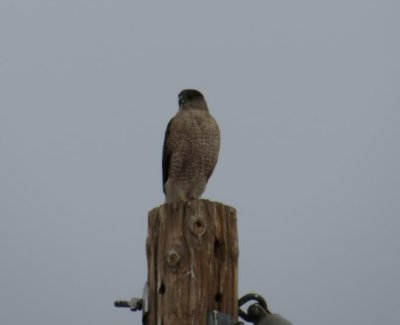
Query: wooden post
x=192 y=259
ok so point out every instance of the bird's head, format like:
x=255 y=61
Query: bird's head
x=192 y=99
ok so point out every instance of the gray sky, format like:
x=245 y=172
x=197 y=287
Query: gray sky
x=306 y=94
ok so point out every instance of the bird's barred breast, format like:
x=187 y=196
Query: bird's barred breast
x=194 y=145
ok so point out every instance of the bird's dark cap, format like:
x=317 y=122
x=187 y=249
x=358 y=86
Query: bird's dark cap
x=189 y=94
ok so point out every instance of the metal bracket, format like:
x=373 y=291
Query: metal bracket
x=217 y=318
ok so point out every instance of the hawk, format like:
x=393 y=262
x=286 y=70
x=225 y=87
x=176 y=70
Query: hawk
x=190 y=150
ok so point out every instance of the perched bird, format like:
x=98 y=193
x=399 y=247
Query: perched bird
x=191 y=147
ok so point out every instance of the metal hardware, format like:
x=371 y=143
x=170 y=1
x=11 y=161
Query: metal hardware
x=258 y=313
x=136 y=304
x=217 y=318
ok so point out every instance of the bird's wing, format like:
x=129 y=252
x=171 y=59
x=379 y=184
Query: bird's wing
x=166 y=156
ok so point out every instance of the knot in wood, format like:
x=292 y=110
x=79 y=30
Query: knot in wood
x=198 y=226
x=173 y=258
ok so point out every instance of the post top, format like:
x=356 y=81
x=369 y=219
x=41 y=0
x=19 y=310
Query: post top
x=193 y=203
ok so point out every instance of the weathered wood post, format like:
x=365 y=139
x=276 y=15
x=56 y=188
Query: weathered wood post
x=192 y=259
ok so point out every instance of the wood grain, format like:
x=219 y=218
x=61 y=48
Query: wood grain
x=192 y=258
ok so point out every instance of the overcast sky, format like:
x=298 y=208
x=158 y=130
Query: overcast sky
x=307 y=96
